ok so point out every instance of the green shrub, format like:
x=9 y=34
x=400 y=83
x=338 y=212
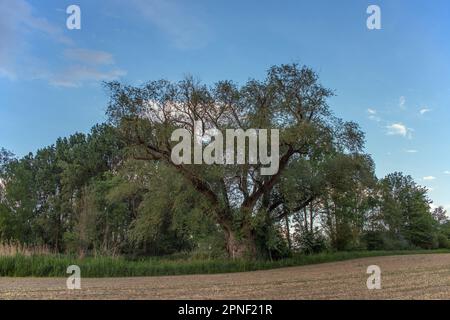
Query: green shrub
x=310 y=242
x=374 y=240
x=443 y=241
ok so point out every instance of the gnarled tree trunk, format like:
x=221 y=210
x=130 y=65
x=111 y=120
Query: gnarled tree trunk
x=240 y=247
x=240 y=244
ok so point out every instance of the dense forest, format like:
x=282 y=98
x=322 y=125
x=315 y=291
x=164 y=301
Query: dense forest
x=115 y=191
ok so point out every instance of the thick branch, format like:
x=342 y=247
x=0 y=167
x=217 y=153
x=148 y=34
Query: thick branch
x=298 y=208
x=270 y=183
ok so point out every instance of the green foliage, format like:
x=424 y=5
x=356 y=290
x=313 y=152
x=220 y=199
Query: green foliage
x=116 y=191
x=269 y=237
x=310 y=242
x=405 y=210
x=290 y=98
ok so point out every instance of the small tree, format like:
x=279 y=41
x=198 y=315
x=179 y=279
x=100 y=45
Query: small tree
x=405 y=210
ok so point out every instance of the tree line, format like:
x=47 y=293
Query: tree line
x=117 y=191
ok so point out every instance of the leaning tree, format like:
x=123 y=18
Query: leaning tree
x=289 y=99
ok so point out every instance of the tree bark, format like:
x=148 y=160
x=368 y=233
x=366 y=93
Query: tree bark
x=288 y=232
x=240 y=242
x=240 y=246
x=305 y=217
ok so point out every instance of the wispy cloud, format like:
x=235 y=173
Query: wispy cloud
x=411 y=151
x=399 y=129
x=424 y=110
x=86 y=66
x=184 y=28
x=18 y=22
x=391 y=128
x=402 y=102
x=19 y=27
x=447 y=172
x=373 y=115
x=77 y=75
x=89 y=56
x=429 y=178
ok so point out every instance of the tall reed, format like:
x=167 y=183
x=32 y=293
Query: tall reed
x=13 y=248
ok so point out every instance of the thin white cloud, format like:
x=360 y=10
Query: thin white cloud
x=20 y=24
x=424 y=110
x=401 y=102
x=398 y=129
x=88 y=56
x=184 y=28
x=76 y=76
x=373 y=115
x=411 y=151
x=429 y=178
x=447 y=172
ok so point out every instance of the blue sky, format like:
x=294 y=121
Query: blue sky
x=395 y=82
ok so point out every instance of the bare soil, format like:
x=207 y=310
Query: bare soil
x=425 y=276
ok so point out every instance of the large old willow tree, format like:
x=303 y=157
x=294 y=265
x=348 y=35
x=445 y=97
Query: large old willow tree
x=238 y=197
